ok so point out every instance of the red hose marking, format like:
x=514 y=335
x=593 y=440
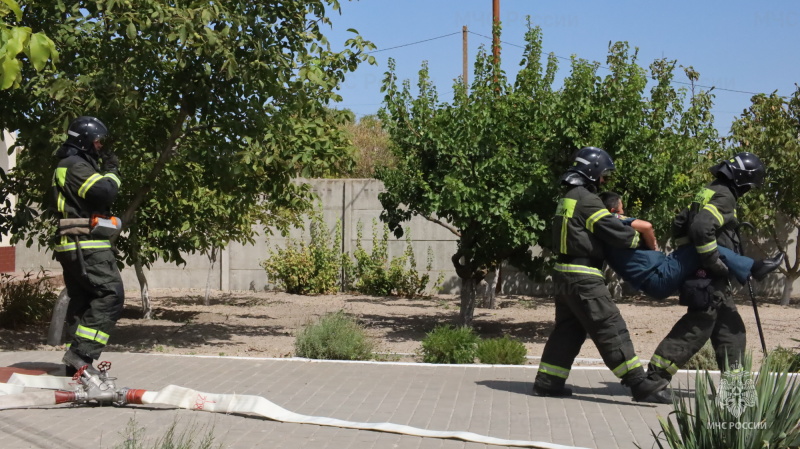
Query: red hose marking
x=201 y=401
x=134 y=396
x=65 y=396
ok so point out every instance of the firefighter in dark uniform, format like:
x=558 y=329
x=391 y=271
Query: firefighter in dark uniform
x=581 y=226
x=710 y=221
x=85 y=184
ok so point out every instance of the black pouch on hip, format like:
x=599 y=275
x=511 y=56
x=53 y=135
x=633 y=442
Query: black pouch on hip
x=696 y=294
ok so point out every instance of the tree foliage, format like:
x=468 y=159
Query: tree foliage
x=214 y=109
x=486 y=166
x=770 y=128
x=20 y=41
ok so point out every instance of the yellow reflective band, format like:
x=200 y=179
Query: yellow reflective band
x=708 y=247
x=635 y=242
x=554 y=370
x=68 y=345
x=88 y=185
x=704 y=196
x=62 y=204
x=595 y=217
x=565 y=210
x=61 y=176
x=113 y=177
x=715 y=212
x=86 y=244
x=583 y=269
x=665 y=364
x=92 y=334
x=625 y=367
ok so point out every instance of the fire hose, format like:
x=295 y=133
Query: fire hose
x=85 y=388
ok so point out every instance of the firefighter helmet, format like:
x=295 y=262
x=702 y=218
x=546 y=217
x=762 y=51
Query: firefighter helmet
x=592 y=163
x=743 y=169
x=84 y=131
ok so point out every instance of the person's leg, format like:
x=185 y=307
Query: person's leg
x=562 y=346
x=729 y=336
x=668 y=276
x=599 y=315
x=683 y=341
x=106 y=297
x=738 y=265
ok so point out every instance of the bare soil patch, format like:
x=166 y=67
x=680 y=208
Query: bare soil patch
x=263 y=324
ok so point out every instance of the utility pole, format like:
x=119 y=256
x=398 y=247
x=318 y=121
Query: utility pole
x=464 y=55
x=495 y=36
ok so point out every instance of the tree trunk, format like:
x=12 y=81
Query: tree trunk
x=468 y=290
x=212 y=257
x=147 y=309
x=788 y=281
x=137 y=265
x=491 y=290
x=55 y=335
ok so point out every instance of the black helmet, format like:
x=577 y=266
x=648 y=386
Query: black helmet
x=591 y=163
x=744 y=169
x=83 y=131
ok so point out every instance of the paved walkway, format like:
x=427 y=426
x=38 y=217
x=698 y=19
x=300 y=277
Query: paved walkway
x=489 y=400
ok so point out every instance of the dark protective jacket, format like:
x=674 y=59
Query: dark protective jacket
x=708 y=222
x=581 y=226
x=80 y=190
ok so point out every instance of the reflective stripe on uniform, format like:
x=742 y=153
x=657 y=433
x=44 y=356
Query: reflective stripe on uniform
x=554 y=370
x=62 y=204
x=88 y=184
x=61 y=176
x=625 y=367
x=635 y=242
x=85 y=244
x=565 y=210
x=114 y=178
x=664 y=364
x=568 y=268
x=715 y=212
x=595 y=217
x=708 y=247
x=92 y=334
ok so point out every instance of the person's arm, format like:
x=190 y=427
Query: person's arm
x=645 y=228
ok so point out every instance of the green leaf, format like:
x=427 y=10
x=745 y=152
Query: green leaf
x=14 y=7
x=40 y=46
x=131 y=31
x=10 y=73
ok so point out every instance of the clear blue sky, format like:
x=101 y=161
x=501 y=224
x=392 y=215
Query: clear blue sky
x=751 y=46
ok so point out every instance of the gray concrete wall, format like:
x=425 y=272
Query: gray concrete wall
x=349 y=201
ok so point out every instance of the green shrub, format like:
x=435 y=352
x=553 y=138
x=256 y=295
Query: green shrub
x=501 y=351
x=447 y=344
x=335 y=336
x=313 y=268
x=743 y=403
x=705 y=359
x=785 y=359
x=29 y=300
x=375 y=274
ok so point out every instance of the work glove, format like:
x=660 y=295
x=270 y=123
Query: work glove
x=110 y=162
x=715 y=267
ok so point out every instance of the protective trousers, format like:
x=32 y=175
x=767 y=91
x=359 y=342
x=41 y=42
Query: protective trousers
x=96 y=300
x=584 y=305
x=721 y=322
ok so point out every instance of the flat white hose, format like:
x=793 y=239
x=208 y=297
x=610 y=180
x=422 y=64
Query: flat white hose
x=233 y=403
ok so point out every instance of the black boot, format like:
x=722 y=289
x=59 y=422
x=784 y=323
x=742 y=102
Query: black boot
x=644 y=389
x=761 y=268
x=547 y=392
x=77 y=361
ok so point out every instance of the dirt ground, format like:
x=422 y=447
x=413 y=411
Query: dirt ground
x=263 y=324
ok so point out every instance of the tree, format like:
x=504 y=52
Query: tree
x=487 y=166
x=770 y=128
x=370 y=146
x=215 y=109
x=18 y=40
